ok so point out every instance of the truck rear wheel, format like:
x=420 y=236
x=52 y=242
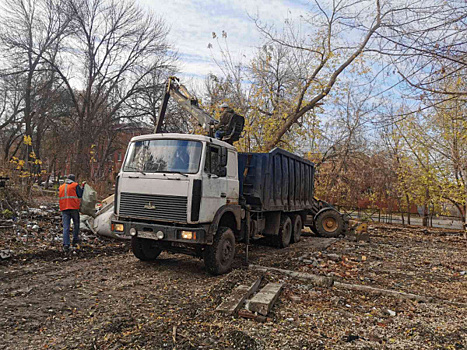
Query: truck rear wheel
x=145 y=249
x=285 y=232
x=218 y=257
x=297 y=228
x=330 y=224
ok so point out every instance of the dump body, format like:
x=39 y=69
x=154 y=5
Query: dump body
x=276 y=181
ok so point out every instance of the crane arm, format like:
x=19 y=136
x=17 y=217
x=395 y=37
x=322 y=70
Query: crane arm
x=189 y=103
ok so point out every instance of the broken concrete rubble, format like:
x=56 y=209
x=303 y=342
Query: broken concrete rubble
x=253 y=316
x=5 y=254
x=237 y=297
x=262 y=302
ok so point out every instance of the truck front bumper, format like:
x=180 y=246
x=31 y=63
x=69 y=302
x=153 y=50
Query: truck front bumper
x=160 y=232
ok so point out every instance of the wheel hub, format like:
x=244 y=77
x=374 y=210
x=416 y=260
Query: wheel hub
x=329 y=224
x=226 y=251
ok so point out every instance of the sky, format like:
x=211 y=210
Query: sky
x=192 y=23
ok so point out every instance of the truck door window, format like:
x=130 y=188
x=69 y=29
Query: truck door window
x=212 y=160
x=232 y=168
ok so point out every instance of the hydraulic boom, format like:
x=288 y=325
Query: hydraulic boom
x=189 y=103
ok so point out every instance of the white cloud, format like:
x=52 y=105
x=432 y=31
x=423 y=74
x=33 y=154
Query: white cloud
x=192 y=23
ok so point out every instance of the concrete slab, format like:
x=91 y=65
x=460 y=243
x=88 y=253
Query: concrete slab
x=263 y=301
x=235 y=300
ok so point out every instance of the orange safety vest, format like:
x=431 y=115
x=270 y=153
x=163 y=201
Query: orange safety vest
x=67 y=197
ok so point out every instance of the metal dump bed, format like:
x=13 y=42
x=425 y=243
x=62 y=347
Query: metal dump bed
x=278 y=180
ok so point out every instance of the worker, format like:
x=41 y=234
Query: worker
x=226 y=115
x=69 y=200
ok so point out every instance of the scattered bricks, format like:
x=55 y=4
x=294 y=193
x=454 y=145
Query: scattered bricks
x=238 y=296
x=334 y=257
x=252 y=316
x=5 y=254
x=308 y=261
x=264 y=300
x=295 y=298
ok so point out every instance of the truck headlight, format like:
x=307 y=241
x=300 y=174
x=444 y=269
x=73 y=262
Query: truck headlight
x=188 y=235
x=160 y=234
x=133 y=231
x=119 y=227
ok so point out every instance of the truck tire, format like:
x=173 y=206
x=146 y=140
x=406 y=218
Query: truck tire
x=219 y=256
x=145 y=249
x=330 y=224
x=285 y=232
x=297 y=226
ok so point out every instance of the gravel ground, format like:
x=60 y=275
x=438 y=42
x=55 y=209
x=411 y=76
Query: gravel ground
x=102 y=297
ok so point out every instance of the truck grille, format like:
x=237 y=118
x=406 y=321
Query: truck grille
x=153 y=207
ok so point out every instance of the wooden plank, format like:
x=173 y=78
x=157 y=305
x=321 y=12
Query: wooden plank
x=235 y=300
x=263 y=301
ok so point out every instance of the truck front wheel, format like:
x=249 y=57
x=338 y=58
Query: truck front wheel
x=145 y=249
x=285 y=232
x=219 y=256
x=330 y=224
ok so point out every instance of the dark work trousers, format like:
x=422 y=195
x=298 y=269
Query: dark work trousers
x=67 y=216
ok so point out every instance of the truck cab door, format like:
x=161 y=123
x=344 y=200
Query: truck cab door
x=214 y=193
x=232 y=177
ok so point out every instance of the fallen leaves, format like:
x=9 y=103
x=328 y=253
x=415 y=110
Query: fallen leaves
x=171 y=303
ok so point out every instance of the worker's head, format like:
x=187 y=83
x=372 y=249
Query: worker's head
x=224 y=106
x=71 y=177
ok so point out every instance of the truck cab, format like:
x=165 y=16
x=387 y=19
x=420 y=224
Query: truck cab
x=175 y=192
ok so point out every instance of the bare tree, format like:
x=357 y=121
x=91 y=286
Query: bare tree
x=326 y=44
x=144 y=106
x=32 y=33
x=426 y=43
x=116 y=45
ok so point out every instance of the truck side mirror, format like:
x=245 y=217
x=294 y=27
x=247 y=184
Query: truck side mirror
x=223 y=157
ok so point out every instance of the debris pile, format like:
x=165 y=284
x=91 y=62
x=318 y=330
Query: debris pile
x=32 y=231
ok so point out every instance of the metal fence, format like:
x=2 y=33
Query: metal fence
x=379 y=215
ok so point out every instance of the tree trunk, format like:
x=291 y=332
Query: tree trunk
x=408 y=209
x=425 y=216
x=465 y=205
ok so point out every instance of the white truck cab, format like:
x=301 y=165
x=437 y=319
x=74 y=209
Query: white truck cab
x=174 y=190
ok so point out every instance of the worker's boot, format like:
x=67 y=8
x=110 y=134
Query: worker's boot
x=76 y=243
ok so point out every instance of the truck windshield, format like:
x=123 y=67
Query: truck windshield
x=164 y=156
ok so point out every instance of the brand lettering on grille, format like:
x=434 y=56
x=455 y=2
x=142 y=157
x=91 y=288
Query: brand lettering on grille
x=150 y=206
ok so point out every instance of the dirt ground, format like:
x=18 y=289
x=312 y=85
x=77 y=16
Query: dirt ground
x=102 y=297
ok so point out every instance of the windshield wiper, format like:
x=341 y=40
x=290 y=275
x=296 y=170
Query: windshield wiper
x=177 y=172
x=132 y=168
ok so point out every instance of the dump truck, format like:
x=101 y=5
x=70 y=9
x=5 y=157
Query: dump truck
x=197 y=195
